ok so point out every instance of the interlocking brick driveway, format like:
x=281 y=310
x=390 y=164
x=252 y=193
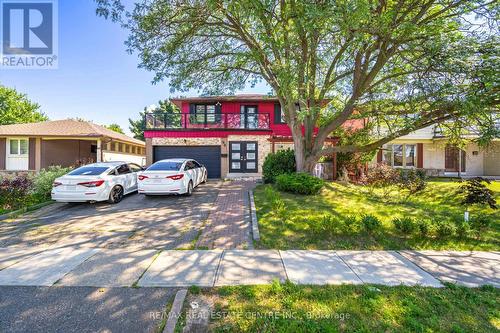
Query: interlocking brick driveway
x=163 y=222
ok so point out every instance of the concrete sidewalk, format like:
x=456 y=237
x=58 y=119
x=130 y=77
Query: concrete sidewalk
x=118 y=268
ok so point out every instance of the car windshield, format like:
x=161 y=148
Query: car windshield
x=165 y=166
x=88 y=171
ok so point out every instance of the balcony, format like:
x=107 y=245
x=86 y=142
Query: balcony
x=208 y=121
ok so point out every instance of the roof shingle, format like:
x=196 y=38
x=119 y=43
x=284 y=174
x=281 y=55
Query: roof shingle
x=65 y=128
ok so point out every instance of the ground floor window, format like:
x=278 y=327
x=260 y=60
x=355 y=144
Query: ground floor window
x=18 y=146
x=400 y=155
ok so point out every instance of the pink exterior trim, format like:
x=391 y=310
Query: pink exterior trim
x=200 y=134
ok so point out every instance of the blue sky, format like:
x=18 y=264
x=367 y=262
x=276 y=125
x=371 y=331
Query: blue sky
x=97 y=79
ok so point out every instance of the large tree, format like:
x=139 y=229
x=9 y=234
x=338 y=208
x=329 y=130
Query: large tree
x=16 y=108
x=401 y=64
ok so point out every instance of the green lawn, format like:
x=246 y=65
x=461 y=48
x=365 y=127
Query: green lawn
x=349 y=308
x=299 y=222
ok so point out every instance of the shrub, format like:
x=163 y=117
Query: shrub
x=382 y=176
x=444 y=228
x=14 y=192
x=281 y=162
x=475 y=192
x=406 y=225
x=370 y=223
x=463 y=228
x=423 y=227
x=480 y=224
x=42 y=183
x=299 y=183
x=327 y=225
x=350 y=223
x=412 y=180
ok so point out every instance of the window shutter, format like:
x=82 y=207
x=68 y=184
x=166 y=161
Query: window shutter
x=379 y=156
x=420 y=155
x=277 y=113
x=31 y=153
x=218 y=112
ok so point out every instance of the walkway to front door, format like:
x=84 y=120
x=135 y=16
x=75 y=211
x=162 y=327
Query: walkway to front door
x=228 y=226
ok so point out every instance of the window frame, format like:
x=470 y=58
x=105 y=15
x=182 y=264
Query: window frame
x=390 y=148
x=194 y=119
x=18 y=154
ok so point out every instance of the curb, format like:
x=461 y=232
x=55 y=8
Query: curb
x=21 y=211
x=253 y=215
x=175 y=311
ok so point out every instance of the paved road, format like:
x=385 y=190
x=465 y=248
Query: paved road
x=163 y=222
x=82 y=309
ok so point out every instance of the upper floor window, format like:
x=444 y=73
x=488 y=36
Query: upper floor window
x=400 y=155
x=204 y=113
x=18 y=146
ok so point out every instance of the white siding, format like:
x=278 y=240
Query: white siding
x=108 y=156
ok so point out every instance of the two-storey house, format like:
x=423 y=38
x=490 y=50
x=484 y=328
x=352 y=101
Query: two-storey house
x=230 y=135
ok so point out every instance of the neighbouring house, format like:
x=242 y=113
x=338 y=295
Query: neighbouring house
x=429 y=149
x=230 y=135
x=34 y=146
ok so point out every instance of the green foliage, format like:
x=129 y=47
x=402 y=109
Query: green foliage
x=350 y=223
x=42 y=182
x=381 y=176
x=326 y=226
x=115 y=127
x=463 y=228
x=275 y=164
x=423 y=227
x=444 y=228
x=277 y=204
x=16 y=108
x=412 y=180
x=299 y=183
x=475 y=192
x=370 y=223
x=480 y=224
x=165 y=107
x=370 y=309
x=405 y=224
x=14 y=192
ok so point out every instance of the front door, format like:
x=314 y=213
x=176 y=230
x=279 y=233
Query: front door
x=243 y=156
x=452 y=159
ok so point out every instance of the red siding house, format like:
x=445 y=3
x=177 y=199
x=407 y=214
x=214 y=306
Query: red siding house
x=230 y=135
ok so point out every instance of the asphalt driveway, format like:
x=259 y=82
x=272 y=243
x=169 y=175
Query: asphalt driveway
x=139 y=222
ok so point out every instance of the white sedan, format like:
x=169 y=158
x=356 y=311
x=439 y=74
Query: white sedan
x=172 y=176
x=97 y=182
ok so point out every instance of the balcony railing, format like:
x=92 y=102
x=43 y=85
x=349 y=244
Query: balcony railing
x=203 y=121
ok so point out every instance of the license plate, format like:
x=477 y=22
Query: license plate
x=156 y=180
x=69 y=187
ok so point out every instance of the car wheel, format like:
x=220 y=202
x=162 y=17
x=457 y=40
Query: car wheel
x=189 y=189
x=116 y=194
